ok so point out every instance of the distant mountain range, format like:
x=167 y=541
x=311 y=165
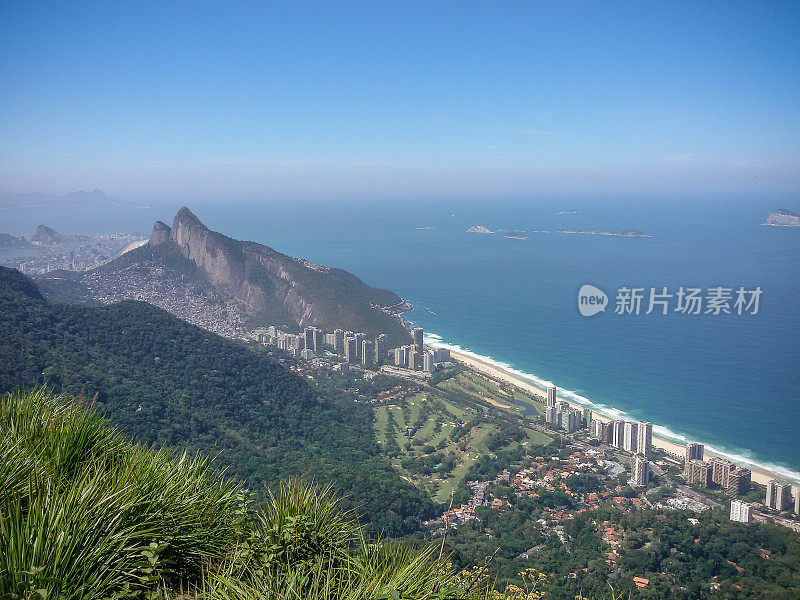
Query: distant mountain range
x=38 y=199
x=260 y=285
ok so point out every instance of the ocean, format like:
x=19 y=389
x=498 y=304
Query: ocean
x=731 y=381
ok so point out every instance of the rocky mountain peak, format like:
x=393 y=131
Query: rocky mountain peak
x=160 y=234
x=186 y=218
x=45 y=235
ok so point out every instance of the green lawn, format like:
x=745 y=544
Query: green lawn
x=449 y=411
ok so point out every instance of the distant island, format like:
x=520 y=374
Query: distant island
x=568 y=212
x=783 y=218
x=625 y=233
x=479 y=229
x=515 y=235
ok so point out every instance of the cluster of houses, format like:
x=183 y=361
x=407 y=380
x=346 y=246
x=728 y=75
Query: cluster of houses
x=466 y=512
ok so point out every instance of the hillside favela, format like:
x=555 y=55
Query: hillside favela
x=399 y=301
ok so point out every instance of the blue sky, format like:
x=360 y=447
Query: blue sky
x=391 y=99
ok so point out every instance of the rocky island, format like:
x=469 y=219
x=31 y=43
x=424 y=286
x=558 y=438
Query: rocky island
x=783 y=218
x=625 y=233
x=479 y=229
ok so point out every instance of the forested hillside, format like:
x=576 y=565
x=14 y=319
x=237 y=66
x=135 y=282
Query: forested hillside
x=88 y=515
x=166 y=382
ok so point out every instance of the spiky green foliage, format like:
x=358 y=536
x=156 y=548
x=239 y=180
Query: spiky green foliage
x=303 y=547
x=86 y=514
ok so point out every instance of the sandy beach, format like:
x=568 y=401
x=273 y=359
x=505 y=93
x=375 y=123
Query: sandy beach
x=759 y=475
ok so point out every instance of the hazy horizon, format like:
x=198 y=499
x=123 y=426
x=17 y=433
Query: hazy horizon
x=386 y=100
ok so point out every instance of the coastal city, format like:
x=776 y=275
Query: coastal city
x=47 y=250
x=413 y=361
x=621 y=452
x=605 y=475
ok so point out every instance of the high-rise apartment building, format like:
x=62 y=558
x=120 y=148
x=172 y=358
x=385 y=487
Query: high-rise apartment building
x=319 y=341
x=400 y=359
x=644 y=438
x=738 y=482
x=308 y=337
x=597 y=429
x=720 y=470
x=741 y=512
x=417 y=333
x=350 y=352
x=442 y=354
x=693 y=451
x=617 y=433
x=360 y=337
x=630 y=436
x=413 y=358
x=428 y=362
x=641 y=470
x=381 y=348
x=697 y=472
x=779 y=495
x=551 y=395
x=338 y=341
x=367 y=352
x=570 y=419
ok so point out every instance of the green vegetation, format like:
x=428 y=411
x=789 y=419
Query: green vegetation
x=85 y=514
x=476 y=389
x=339 y=298
x=435 y=437
x=169 y=383
x=714 y=558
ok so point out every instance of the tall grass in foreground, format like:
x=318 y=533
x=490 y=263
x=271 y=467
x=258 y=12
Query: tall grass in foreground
x=86 y=514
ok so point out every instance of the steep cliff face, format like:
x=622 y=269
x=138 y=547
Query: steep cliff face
x=270 y=283
x=220 y=257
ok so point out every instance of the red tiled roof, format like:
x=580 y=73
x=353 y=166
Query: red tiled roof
x=641 y=582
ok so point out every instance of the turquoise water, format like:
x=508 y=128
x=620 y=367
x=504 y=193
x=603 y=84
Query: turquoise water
x=730 y=381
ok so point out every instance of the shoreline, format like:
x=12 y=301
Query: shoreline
x=760 y=474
